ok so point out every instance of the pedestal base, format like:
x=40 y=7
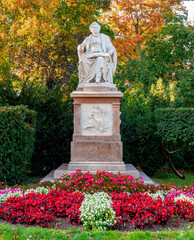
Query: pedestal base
x=63 y=169
x=93 y=156
x=94 y=166
x=96 y=141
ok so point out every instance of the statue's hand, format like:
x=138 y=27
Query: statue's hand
x=110 y=53
x=80 y=48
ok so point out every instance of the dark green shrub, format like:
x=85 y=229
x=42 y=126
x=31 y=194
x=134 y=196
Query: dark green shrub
x=54 y=130
x=176 y=127
x=17 y=137
x=141 y=146
x=54 y=125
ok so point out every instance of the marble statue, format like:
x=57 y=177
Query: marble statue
x=97 y=58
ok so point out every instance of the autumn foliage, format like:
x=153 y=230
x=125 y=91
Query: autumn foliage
x=40 y=36
x=134 y=21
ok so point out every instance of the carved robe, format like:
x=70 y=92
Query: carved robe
x=92 y=61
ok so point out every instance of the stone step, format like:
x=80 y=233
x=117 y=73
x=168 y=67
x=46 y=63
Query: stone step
x=130 y=170
x=63 y=169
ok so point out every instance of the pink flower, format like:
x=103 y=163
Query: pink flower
x=76 y=181
x=72 y=174
x=141 y=182
x=100 y=181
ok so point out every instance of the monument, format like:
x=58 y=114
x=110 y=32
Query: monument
x=96 y=141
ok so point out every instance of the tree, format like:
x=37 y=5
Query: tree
x=40 y=36
x=168 y=54
x=170 y=51
x=38 y=62
x=164 y=78
x=134 y=21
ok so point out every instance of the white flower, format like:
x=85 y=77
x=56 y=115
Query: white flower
x=159 y=193
x=97 y=212
x=184 y=198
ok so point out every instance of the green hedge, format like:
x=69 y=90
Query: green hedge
x=54 y=122
x=17 y=131
x=141 y=145
x=176 y=125
x=176 y=128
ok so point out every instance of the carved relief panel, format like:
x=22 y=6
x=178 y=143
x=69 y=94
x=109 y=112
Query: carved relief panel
x=96 y=119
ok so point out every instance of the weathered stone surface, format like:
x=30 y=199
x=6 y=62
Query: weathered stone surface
x=107 y=101
x=93 y=166
x=96 y=141
x=130 y=170
x=96 y=151
x=97 y=58
x=63 y=169
x=96 y=119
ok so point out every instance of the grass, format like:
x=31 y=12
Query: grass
x=164 y=177
x=31 y=180
x=37 y=233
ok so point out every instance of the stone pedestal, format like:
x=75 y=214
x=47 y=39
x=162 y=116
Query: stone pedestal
x=96 y=141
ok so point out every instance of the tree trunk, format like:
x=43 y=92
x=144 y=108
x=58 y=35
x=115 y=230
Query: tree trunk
x=140 y=50
x=138 y=43
x=168 y=153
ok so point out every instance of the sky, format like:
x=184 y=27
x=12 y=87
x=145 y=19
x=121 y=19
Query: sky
x=190 y=7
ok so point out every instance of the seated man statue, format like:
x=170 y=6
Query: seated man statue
x=97 y=57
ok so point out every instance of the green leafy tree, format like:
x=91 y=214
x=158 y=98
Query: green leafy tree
x=171 y=50
x=38 y=67
x=40 y=37
x=162 y=79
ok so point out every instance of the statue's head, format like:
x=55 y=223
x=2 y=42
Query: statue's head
x=94 y=27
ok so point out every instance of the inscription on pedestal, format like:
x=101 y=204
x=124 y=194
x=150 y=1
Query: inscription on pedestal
x=94 y=148
x=96 y=119
x=96 y=151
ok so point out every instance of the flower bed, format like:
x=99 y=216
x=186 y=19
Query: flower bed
x=141 y=210
x=132 y=202
x=41 y=209
x=10 y=192
x=101 y=181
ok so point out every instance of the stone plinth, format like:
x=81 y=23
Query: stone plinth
x=63 y=169
x=96 y=141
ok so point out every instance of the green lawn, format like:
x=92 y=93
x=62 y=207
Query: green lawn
x=166 y=177
x=37 y=233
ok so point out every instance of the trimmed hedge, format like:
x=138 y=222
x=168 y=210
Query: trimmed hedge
x=175 y=125
x=17 y=137
x=176 y=128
